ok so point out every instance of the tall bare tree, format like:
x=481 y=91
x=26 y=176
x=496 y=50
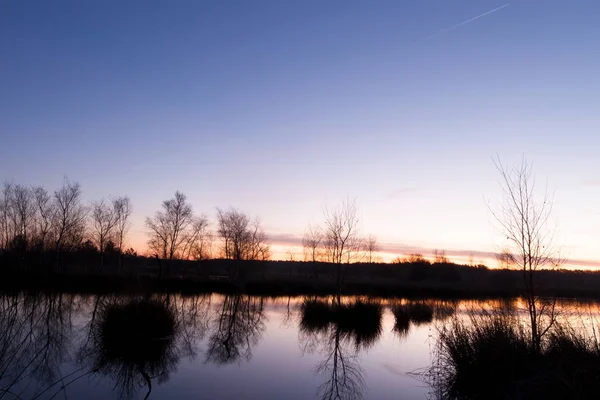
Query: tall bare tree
x=122 y=209
x=103 y=224
x=524 y=219
x=25 y=217
x=23 y=212
x=168 y=227
x=242 y=238
x=197 y=240
x=69 y=217
x=5 y=228
x=43 y=216
x=340 y=234
x=439 y=257
x=371 y=248
x=311 y=243
x=9 y=219
x=505 y=258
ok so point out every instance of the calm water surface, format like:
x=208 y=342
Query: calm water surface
x=222 y=347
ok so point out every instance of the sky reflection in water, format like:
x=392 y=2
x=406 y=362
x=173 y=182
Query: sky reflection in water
x=227 y=347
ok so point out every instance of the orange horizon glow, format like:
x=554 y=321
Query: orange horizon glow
x=285 y=252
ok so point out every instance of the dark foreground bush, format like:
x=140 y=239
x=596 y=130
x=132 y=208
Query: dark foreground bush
x=491 y=358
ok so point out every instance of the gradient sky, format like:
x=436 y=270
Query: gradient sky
x=279 y=108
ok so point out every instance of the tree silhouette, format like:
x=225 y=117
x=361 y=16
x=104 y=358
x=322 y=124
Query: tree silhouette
x=122 y=209
x=104 y=221
x=175 y=232
x=69 y=218
x=523 y=218
x=340 y=238
x=371 y=248
x=312 y=242
x=242 y=238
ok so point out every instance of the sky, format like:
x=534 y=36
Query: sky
x=282 y=108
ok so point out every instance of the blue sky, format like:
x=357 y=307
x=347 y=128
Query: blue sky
x=280 y=108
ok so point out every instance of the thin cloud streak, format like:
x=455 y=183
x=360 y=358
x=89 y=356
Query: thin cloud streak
x=401 y=249
x=463 y=23
x=402 y=192
x=592 y=182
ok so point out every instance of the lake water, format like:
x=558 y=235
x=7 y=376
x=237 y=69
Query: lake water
x=222 y=347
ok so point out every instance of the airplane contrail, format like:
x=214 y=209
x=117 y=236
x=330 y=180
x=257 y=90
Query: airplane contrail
x=464 y=23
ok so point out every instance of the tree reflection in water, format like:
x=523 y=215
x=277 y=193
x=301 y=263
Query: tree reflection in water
x=238 y=327
x=135 y=341
x=340 y=332
x=35 y=334
x=417 y=313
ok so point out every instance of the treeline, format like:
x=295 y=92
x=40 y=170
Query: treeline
x=177 y=233
x=36 y=222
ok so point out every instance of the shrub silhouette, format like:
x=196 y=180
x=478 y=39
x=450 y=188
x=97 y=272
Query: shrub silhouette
x=493 y=357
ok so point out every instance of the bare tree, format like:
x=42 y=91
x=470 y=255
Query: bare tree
x=233 y=230
x=439 y=257
x=340 y=230
x=169 y=227
x=290 y=255
x=4 y=219
x=122 y=210
x=4 y=227
x=103 y=224
x=242 y=238
x=371 y=248
x=197 y=240
x=43 y=216
x=357 y=251
x=17 y=212
x=23 y=213
x=8 y=220
x=311 y=243
x=68 y=218
x=259 y=248
x=505 y=258
x=340 y=233
x=414 y=258
x=523 y=218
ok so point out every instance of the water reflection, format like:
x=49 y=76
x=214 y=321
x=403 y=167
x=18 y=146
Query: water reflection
x=133 y=342
x=132 y=346
x=416 y=313
x=35 y=333
x=237 y=328
x=339 y=332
